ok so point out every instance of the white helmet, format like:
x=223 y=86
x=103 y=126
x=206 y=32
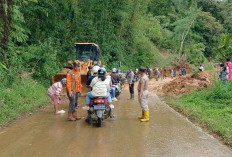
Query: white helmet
x=95 y=69
x=114 y=70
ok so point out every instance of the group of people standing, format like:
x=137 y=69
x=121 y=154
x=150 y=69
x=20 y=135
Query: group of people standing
x=162 y=73
x=225 y=71
x=100 y=86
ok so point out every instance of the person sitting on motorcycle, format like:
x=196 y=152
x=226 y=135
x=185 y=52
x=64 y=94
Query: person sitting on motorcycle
x=115 y=79
x=95 y=71
x=100 y=87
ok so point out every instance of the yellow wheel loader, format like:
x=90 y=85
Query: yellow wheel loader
x=87 y=54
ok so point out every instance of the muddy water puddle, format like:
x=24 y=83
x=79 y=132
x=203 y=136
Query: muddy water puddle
x=167 y=134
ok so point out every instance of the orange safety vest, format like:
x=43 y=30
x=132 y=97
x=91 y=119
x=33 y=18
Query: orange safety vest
x=74 y=81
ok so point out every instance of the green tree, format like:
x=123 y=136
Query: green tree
x=214 y=7
x=211 y=30
x=224 y=48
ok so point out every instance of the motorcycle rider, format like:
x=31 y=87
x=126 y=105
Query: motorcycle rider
x=115 y=78
x=95 y=71
x=100 y=88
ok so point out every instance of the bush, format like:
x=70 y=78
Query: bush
x=24 y=95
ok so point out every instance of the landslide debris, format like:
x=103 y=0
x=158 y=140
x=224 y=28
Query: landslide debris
x=186 y=84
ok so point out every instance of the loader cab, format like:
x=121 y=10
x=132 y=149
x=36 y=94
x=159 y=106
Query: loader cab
x=87 y=51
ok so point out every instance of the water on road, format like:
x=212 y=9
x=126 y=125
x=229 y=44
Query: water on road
x=167 y=134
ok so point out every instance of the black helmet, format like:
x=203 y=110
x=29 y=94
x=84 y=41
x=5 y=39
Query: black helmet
x=101 y=72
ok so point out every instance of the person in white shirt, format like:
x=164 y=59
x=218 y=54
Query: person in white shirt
x=100 y=87
x=201 y=68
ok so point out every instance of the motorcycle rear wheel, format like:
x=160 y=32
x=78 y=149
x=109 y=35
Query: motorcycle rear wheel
x=99 y=122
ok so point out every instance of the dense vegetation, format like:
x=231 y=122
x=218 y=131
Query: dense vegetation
x=36 y=36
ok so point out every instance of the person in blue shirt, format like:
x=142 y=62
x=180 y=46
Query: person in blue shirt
x=95 y=70
x=90 y=72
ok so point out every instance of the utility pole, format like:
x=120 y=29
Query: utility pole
x=119 y=54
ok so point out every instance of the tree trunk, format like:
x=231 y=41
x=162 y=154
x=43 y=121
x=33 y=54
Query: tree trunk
x=6 y=7
x=184 y=35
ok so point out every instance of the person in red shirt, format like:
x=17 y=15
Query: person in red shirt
x=209 y=59
x=162 y=73
x=73 y=91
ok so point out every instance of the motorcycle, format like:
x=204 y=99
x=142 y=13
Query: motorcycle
x=117 y=88
x=99 y=109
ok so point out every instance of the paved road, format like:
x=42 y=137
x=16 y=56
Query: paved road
x=166 y=135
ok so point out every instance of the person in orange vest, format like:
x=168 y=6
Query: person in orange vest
x=73 y=91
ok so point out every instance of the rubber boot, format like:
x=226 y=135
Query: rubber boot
x=141 y=117
x=146 y=117
x=74 y=115
x=132 y=96
x=70 y=117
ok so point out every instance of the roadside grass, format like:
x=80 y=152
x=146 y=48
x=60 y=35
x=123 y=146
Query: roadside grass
x=210 y=107
x=207 y=67
x=21 y=97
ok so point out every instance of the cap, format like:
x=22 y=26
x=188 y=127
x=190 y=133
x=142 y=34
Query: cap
x=142 y=69
x=76 y=64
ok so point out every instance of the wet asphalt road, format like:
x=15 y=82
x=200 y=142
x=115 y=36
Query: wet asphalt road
x=167 y=134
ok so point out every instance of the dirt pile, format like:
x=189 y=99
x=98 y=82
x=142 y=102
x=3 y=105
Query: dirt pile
x=205 y=76
x=186 y=84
